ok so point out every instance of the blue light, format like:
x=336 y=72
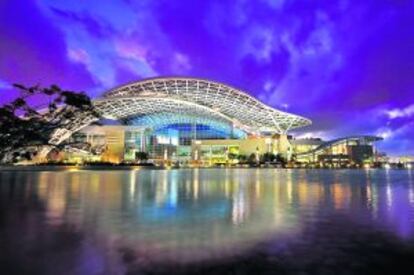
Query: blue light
x=176 y=129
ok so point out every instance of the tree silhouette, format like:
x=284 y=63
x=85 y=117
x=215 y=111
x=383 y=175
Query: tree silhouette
x=25 y=129
x=141 y=156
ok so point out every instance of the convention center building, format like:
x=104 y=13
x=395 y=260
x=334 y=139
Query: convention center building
x=190 y=120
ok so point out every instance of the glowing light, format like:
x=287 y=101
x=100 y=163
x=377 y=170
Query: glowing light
x=132 y=185
x=196 y=183
x=367 y=166
x=409 y=165
x=389 y=196
x=173 y=192
x=387 y=166
x=411 y=195
x=385 y=133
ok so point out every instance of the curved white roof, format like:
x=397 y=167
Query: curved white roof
x=183 y=96
x=198 y=97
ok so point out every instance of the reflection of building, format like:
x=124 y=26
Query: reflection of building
x=187 y=119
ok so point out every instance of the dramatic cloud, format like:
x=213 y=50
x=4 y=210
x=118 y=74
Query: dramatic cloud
x=4 y=84
x=404 y=112
x=347 y=65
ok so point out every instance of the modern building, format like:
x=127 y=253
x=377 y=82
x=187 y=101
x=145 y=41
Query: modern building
x=187 y=120
x=346 y=150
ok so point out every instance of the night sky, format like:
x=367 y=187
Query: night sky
x=346 y=65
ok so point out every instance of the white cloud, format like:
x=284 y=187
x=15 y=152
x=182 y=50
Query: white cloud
x=276 y=4
x=389 y=133
x=319 y=42
x=104 y=11
x=398 y=113
x=314 y=60
x=130 y=48
x=181 y=63
x=4 y=84
x=268 y=86
x=141 y=68
x=314 y=134
x=261 y=42
x=136 y=56
x=384 y=132
x=101 y=69
x=123 y=43
x=79 y=55
x=285 y=106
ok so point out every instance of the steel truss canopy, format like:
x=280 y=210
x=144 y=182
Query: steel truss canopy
x=198 y=98
x=162 y=120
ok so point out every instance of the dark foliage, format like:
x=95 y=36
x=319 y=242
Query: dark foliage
x=232 y=156
x=268 y=157
x=252 y=158
x=25 y=128
x=274 y=158
x=141 y=156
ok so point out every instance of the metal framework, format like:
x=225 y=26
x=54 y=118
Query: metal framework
x=165 y=119
x=199 y=98
x=203 y=100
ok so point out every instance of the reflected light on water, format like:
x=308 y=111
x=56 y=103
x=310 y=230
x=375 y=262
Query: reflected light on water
x=132 y=183
x=194 y=214
x=173 y=192
x=196 y=183
x=411 y=187
x=388 y=189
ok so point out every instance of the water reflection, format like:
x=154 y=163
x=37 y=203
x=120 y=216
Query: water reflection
x=188 y=215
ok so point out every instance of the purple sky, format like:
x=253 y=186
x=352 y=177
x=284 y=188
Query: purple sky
x=346 y=65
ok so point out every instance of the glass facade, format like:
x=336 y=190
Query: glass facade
x=134 y=142
x=172 y=139
x=218 y=153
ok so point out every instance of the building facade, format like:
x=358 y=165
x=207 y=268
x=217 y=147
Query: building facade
x=193 y=120
x=347 y=150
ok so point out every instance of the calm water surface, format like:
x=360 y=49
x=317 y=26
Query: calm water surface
x=206 y=221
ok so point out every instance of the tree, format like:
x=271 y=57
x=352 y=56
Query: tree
x=252 y=158
x=268 y=157
x=280 y=159
x=242 y=158
x=26 y=129
x=232 y=156
x=141 y=156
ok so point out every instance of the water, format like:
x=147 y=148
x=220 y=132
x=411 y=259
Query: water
x=206 y=221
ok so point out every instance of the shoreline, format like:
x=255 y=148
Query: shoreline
x=72 y=168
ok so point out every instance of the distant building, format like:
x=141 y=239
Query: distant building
x=352 y=150
x=304 y=145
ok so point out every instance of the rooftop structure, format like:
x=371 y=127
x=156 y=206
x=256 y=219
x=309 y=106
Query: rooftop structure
x=180 y=109
x=178 y=99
